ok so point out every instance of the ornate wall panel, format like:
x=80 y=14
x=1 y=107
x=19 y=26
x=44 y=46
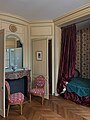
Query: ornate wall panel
x=41 y=30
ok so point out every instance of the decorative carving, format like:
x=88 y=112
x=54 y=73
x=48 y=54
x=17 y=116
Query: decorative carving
x=12 y=28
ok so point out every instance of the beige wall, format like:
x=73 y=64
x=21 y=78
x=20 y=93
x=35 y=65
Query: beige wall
x=27 y=31
x=22 y=31
x=43 y=30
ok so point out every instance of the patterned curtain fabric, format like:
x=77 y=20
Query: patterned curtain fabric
x=83 y=51
x=68 y=55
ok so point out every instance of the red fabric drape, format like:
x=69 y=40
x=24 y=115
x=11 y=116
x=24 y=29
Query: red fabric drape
x=67 y=58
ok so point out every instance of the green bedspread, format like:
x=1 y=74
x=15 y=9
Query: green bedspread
x=80 y=86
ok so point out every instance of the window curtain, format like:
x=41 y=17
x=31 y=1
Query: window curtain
x=67 y=58
x=83 y=51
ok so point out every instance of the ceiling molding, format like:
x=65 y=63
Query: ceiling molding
x=74 y=15
x=11 y=18
x=41 y=21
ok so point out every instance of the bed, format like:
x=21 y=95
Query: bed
x=78 y=90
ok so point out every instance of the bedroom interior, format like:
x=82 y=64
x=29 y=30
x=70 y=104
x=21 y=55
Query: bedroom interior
x=46 y=37
x=77 y=87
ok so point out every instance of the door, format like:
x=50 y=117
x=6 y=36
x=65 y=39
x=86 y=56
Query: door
x=50 y=65
x=40 y=61
x=2 y=74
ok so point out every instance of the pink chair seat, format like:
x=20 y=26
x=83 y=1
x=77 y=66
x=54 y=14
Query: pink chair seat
x=16 y=98
x=37 y=91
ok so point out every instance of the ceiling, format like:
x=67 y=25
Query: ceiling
x=40 y=9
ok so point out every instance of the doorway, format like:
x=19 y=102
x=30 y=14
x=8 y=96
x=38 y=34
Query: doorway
x=50 y=65
x=42 y=65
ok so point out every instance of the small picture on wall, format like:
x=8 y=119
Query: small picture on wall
x=39 y=55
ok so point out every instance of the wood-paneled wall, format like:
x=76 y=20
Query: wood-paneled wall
x=22 y=31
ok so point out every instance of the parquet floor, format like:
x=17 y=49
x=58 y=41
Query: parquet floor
x=56 y=108
x=33 y=111
x=68 y=109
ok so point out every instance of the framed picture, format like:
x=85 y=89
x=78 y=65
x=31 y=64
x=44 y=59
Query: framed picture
x=39 y=55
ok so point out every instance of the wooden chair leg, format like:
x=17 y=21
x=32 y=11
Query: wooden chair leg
x=21 y=108
x=8 y=109
x=42 y=99
x=30 y=98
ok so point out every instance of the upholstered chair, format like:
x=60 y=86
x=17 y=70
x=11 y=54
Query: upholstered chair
x=14 y=99
x=39 y=87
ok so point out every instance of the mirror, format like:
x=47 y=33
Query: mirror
x=14 y=52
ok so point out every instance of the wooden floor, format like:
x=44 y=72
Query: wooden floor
x=68 y=109
x=56 y=108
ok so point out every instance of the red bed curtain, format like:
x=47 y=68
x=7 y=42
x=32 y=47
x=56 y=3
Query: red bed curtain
x=67 y=58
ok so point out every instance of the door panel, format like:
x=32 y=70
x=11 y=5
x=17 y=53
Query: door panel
x=40 y=66
x=2 y=74
x=50 y=65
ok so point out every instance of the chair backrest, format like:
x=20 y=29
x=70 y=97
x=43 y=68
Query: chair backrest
x=8 y=88
x=40 y=81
